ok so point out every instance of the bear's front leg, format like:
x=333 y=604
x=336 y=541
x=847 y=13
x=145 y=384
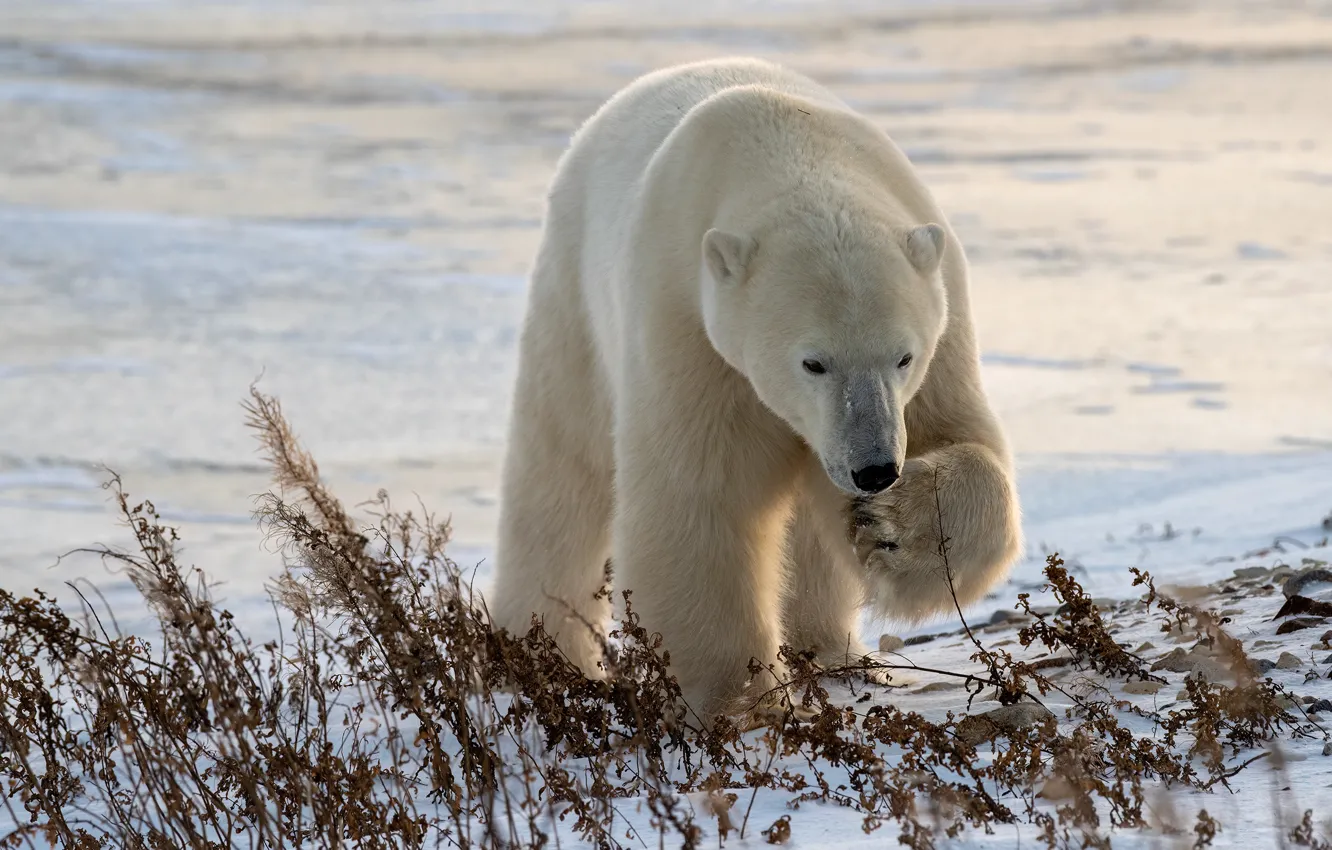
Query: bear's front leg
x=701 y=508
x=940 y=537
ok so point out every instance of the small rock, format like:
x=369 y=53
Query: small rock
x=1143 y=687
x=1231 y=612
x=935 y=687
x=1182 y=695
x=1328 y=660
x=1260 y=666
x=1176 y=661
x=1296 y=583
x=976 y=728
x=1320 y=705
x=1057 y=788
x=1327 y=749
x=1250 y=572
x=890 y=643
x=1308 y=699
x=1259 y=644
x=1289 y=661
x=1002 y=616
x=1296 y=624
x=919 y=639
x=1327 y=636
x=1213 y=671
x=1146 y=645
x=1179 y=633
x=1197 y=660
x=1304 y=606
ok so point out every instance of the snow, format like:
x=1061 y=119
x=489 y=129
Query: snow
x=196 y=195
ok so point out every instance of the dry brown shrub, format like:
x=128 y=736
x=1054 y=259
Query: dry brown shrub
x=390 y=713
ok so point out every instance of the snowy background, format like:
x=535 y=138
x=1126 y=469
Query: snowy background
x=343 y=197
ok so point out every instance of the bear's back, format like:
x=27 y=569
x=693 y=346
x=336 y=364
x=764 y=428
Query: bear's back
x=595 y=198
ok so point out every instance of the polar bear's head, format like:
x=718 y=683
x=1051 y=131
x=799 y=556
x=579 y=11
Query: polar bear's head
x=833 y=320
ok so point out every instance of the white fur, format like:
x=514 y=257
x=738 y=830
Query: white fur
x=713 y=230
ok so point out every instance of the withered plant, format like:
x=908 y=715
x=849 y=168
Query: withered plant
x=389 y=712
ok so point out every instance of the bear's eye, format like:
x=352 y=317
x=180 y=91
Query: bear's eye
x=814 y=367
x=904 y=362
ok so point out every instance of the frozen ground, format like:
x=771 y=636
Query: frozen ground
x=343 y=197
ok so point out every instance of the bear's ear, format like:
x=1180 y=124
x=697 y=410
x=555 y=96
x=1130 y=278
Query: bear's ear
x=727 y=255
x=924 y=247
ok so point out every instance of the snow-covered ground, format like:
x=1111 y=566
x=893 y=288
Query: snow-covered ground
x=342 y=198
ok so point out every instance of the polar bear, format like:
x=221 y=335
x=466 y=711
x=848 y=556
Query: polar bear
x=748 y=374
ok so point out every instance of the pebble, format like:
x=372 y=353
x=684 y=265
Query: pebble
x=1327 y=636
x=1321 y=705
x=1289 y=661
x=1002 y=616
x=1261 y=665
x=890 y=643
x=1296 y=624
x=976 y=728
x=1176 y=661
x=1146 y=645
x=1327 y=749
x=1141 y=687
x=935 y=687
x=1180 y=661
x=919 y=639
x=1250 y=572
x=1297 y=583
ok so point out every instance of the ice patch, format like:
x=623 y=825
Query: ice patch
x=75 y=365
x=48 y=478
x=1162 y=386
x=901 y=75
x=1258 y=251
x=1050 y=175
x=1152 y=369
x=1152 y=80
x=1022 y=360
x=58 y=505
x=1319 y=178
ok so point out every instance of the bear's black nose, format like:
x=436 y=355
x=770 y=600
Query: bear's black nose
x=874 y=479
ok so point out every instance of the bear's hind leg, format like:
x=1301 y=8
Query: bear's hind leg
x=555 y=503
